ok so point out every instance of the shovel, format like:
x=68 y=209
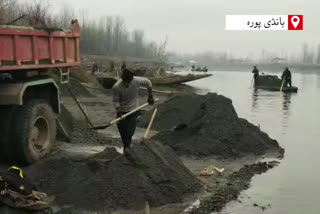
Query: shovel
x=122 y=117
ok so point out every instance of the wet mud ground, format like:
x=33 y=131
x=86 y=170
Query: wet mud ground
x=216 y=190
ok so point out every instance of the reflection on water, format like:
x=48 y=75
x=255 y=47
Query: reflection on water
x=292 y=119
x=255 y=98
x=266 y=101
x=318 y=80
x=286 y=103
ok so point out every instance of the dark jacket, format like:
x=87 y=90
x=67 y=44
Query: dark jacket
x=255 y=72
x=286 y=74
x=16 y=183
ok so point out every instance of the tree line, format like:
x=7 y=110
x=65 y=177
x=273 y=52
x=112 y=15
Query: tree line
x=107 y=36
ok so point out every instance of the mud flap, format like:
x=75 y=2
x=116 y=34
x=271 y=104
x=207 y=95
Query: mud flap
x=64 y=124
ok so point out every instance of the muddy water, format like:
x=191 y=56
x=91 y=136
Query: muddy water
x=292 y=119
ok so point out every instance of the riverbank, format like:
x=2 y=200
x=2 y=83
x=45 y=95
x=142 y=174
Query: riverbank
x=85 y=157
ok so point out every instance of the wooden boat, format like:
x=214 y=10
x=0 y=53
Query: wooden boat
x=272 y=83
x=203 y=69
x=200 y=69
x=176 y=79
x=108 y=82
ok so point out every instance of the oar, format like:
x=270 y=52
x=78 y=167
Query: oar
x=123 y=116
x=251 y=85
x=282 y=85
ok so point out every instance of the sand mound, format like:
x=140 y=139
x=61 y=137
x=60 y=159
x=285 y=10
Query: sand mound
x=208 y=125
x=109 y=180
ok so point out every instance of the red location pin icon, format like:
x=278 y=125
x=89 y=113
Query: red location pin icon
x=295 y=20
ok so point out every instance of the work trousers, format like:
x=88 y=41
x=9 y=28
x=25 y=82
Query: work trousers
x=127 y=128
x=256 y=79
x=287 y=82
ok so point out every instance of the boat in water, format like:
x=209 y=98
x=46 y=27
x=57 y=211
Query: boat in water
x=201 y=69
x=272 y=83
x=176 y=79
x=108 y=82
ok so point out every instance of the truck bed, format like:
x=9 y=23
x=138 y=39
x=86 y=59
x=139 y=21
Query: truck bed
x=23 y=48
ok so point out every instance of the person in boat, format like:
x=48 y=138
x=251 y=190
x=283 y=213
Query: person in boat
x=255 y=74
x=286 y=78
x=125 y=99
x=123 y=66
x=111 y=67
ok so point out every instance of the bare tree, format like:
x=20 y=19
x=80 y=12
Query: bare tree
x=65 y=16
x=109 y=36
x=6 y=10
x=138 y=40
x=118 y=28
x=37 y=14
x=162 y=49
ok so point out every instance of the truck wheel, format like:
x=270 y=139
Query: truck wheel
x=6 y=114
x=33 y=131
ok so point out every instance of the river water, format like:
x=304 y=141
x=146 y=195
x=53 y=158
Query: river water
x=294 y=120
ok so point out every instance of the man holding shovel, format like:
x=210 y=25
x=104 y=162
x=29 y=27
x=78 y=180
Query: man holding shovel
x=125 y=99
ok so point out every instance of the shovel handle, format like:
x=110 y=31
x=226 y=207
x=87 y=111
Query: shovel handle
x=150 y=124
x=123 y=116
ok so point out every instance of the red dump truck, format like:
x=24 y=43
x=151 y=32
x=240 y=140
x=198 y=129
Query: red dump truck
x=29 y=96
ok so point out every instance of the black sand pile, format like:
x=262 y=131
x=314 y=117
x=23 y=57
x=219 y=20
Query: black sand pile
x=83 y=134
x=109 y=180
x=208 y=125
x=237 y=182
x=107 y=82
x=78 y=131
x=269 y=80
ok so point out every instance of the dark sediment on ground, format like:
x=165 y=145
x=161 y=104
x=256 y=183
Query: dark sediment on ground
x=207 y=125
x=78 y=128
x=237 y=182
x=76 y=87
x=109 y=181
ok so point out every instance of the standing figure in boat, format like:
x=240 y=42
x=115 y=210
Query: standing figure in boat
x=286 y=78
x=255 y=74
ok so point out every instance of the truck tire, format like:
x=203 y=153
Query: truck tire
x=6 y=114
x=33 y=131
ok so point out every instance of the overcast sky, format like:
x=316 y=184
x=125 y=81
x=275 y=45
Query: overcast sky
x=199 y=25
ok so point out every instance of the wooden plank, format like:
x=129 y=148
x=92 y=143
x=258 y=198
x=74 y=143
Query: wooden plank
x=52 y=60
x=65 y=50
x=77 y=50
x=35 y=50
x=16 y=50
